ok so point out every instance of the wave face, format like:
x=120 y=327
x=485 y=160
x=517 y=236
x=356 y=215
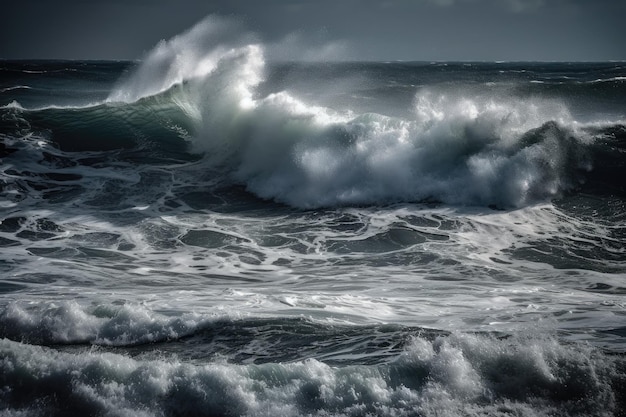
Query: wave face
x=206 y=232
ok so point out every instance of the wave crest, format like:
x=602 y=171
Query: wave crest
x=462 y=152
x=193 y=54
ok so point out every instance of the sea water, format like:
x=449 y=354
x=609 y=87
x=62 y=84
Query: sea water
x=205 y=232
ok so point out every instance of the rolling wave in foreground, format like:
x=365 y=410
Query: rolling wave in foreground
x=207 y=233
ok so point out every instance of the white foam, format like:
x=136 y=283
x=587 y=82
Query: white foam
x=447 y=376
x=456 y=150
x=70 y=322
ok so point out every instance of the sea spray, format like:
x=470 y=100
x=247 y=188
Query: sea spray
x=194 y=54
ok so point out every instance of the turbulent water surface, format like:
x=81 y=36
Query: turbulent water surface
x=207 y=233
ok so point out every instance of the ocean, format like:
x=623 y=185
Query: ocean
x=208 y=232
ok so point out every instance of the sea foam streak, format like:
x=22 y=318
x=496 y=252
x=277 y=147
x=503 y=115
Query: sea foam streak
x=456 y=150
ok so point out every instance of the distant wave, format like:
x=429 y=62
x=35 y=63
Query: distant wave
x=15 y=87
x=605 y=80
x=30 y=71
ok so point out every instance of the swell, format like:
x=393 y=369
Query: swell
x=102 y=127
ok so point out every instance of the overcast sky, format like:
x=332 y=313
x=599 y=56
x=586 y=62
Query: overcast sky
x=422 y=30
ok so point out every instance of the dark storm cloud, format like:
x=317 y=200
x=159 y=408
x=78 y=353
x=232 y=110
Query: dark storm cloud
x=331 y=29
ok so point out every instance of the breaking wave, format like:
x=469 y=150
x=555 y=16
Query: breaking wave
x=201 y=91
x=226 y=366
x=445 y=375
